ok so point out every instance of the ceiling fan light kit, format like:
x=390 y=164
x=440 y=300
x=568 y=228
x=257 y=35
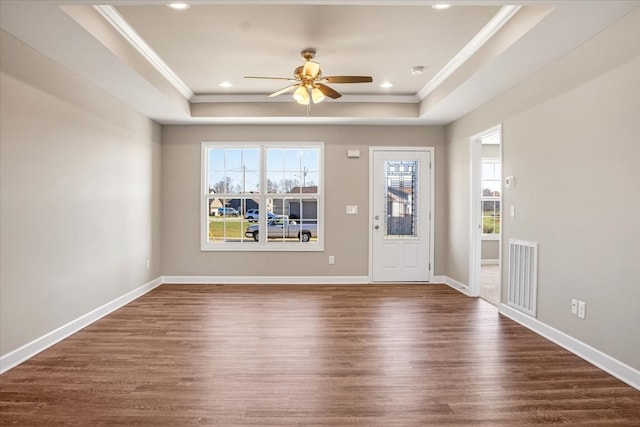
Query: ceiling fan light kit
x=301 y=95
x=309 y=83
x=317 y=95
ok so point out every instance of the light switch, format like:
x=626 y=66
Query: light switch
x=353 y=154
x=352 y=209
x=512 y=211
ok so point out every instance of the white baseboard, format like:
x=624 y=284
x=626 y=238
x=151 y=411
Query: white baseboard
x=490 y=262
x=603 y=361
x=27 y=351
x=458 y=286
x=266 y=280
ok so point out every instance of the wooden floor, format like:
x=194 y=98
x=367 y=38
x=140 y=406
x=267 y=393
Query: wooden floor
x=420 y=355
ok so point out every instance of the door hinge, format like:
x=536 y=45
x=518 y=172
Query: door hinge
x=429 y=266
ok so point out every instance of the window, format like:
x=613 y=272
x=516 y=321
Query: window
x=262 y=197
x=400 y=219
x=490 y=197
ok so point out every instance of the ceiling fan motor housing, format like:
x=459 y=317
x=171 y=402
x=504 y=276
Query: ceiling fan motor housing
x=308 y=54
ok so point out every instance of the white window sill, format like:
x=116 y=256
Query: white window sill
x=490 y=237
x=272 y=247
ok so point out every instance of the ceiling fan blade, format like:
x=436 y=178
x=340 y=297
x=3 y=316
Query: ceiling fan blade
x=327 y=91
x=347 y=79
x=283 y=90
x=311 y=69
x=271 y=78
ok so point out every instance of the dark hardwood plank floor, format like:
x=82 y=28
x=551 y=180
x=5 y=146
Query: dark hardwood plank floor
x=391 y=355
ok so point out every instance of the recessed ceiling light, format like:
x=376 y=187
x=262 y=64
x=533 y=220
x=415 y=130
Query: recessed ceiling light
x=225 y=84
x=386 y=85
x=179 y=6
x=440 y=6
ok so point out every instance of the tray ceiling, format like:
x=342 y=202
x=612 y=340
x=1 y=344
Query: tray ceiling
x=169 y=64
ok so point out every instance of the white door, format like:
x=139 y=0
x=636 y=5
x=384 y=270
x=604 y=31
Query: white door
x=400 y=215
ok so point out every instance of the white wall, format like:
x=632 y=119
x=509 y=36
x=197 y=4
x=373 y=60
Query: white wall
x=79 y=197
x=346 y=183
x=571 y=139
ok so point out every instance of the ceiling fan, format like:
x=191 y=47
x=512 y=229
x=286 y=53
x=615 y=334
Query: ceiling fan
x=310 y=84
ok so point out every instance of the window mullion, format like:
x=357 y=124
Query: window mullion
x=262 y=217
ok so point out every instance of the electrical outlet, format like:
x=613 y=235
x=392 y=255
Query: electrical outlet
x=582 y=308
x=574 y=306
x=332 y=259
x=148 y=264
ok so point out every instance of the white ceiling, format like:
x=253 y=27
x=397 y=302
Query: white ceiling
x=168 y=64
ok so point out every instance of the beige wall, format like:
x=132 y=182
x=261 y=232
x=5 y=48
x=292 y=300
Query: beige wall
x=346 y=183
x=79 y=197
x=571 y=139
x=490 y=249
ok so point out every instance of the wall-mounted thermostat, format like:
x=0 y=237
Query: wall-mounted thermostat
x=508 y=182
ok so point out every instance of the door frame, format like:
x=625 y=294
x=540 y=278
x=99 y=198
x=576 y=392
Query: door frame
x=432 y=216
x=475 y=221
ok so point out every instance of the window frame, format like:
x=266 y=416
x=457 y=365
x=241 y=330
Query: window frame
x=264 y=245
x=491 y=160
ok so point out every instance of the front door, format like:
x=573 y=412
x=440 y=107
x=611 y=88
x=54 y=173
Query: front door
x=400 y=216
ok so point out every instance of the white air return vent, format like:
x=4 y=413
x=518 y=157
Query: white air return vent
x=523 y=276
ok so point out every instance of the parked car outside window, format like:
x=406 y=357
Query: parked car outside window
x=227 y=212
x=254 y=214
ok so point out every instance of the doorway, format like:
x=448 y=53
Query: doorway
x=401 y=221
x=486 y=214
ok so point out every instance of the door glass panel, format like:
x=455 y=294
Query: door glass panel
x=401 y=199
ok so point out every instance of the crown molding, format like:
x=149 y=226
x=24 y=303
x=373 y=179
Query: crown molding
x=111 y=15
x=502 y=17
x=251 y=98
